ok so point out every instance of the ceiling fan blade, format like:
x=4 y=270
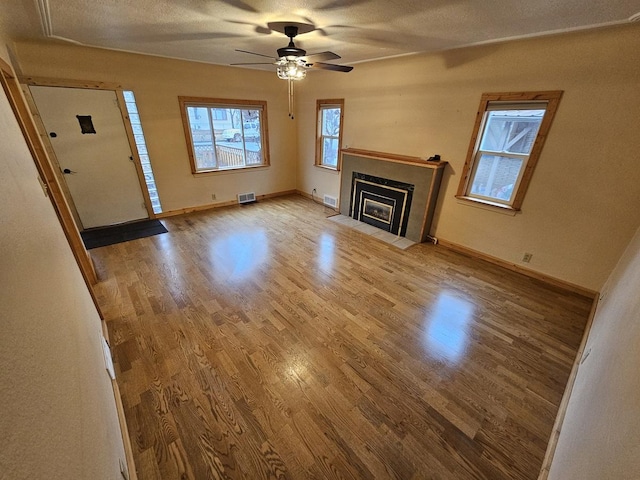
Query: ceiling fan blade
x=256 y=27
x=339 y=4
x=322 y=56
x=240 y=5
x=253 y=63
x=253 y=53
x=331 y=66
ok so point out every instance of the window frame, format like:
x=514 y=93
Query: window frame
x=226 y=103
x=550 y=100
x=326 y=104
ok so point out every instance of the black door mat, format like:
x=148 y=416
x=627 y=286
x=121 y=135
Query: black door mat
x=101 y=237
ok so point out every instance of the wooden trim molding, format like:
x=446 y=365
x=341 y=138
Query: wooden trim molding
x=48 y=177
x=134 y=153
x=392 y=157
x=122 y=420
x=229 y=203
x=549 y=280
x=55 y=164
x=69 y=83
x=312 y=198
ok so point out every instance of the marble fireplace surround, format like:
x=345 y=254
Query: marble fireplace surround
x=425 y=176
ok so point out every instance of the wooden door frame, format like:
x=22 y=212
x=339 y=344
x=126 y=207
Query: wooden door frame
x=50 y=183
x=48 y=178
x=91 y=85
x=51 y=154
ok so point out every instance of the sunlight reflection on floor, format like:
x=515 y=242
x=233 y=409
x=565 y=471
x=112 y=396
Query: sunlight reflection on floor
x=327 y=253
x=238 y=255
x=446 y=333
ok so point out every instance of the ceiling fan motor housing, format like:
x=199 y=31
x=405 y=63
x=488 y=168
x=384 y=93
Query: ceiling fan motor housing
x=291 y=50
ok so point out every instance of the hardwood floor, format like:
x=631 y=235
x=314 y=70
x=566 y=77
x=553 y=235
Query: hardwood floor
x=265 y=341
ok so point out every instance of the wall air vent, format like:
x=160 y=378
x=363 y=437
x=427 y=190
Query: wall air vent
x=246 y=197
x=330 y=201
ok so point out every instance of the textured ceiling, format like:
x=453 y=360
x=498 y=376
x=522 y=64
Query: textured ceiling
x=358 y=30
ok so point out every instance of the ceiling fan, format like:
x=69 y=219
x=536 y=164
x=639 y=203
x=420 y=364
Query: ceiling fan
x=292 y=62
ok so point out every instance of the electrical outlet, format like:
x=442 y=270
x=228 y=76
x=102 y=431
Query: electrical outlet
x=213 y=196
x=526 y=258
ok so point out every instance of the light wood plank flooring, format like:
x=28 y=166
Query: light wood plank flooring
x=265 y=341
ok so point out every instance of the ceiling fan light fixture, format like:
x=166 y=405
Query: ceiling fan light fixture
x=291 y=69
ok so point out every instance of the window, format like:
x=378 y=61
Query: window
x=219 y=114
x=141 y=147
x=329 y=133
x=509 y=133
x=225 y=134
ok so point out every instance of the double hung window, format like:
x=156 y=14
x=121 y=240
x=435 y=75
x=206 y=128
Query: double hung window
x=329 y=133
x=509 y=134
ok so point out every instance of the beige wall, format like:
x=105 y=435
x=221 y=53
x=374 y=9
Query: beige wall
x=5 y=40
x=57 y=411
x=600 y=436
x=580 y=213
x=581 y=207
x=157 y=83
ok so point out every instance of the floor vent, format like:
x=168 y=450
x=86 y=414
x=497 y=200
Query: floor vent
x=330 y=201
x=246 y=197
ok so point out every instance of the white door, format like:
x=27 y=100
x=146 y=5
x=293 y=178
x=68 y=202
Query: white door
x=100 y=172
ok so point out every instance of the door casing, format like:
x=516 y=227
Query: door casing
x=103 y=217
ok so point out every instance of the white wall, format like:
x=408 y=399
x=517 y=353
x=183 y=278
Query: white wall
x=600 y=436
x=581 y=207
x=57 y=411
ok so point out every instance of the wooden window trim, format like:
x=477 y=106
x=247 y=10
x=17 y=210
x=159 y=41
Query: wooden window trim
x=319 y=105
x=553 y=99
x=210 y=102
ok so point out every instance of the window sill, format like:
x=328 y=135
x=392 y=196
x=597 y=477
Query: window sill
x=227 y=170
x=330 y=169
x=487 y=205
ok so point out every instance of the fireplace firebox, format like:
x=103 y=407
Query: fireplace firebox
x=381 y=202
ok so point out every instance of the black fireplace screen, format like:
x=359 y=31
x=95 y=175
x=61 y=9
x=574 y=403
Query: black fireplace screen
x=381 y=202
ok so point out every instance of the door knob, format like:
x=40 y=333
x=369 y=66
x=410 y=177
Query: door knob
x=66 y=171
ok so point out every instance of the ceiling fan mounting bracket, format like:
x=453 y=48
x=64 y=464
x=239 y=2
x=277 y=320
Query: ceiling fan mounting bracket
x=291 y=31
x=282 y=27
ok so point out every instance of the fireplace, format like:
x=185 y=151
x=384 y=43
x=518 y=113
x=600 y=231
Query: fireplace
x=393 y=192
x=381 y=202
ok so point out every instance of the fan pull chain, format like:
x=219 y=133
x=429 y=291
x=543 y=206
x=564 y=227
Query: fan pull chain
x=291 y=98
